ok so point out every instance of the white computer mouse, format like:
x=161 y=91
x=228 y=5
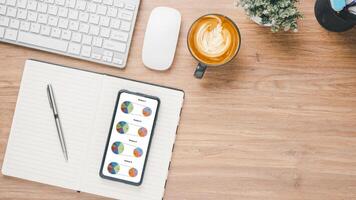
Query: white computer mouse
x=161 y=37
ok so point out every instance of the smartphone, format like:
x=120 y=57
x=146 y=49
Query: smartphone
x=129 y=138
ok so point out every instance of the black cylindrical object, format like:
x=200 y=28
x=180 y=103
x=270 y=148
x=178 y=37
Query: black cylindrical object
x=332 y=20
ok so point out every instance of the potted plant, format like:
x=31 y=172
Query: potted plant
x=277 y=14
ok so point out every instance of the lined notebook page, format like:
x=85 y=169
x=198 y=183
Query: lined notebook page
x=85 y=102
x=161 y=146
x=33 y=150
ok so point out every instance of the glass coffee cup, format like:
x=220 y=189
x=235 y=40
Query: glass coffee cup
x=213 y=40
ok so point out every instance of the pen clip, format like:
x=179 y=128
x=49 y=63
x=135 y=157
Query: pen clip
x=49 y=96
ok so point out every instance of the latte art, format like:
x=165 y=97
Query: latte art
x=213 y=39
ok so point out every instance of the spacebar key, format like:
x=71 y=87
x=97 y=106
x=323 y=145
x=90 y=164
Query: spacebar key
x=42 y=41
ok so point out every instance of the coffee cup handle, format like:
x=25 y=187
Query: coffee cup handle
x=200 y=70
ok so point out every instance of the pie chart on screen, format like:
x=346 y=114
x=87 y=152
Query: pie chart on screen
x=146 y=111
x=127 y=107
x=113 y=168
x=117 y=147
x=138 y=152
x=133 y=172
x=122 y=127
x=142 y=132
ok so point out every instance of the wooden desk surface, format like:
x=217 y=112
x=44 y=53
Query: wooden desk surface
x=277 y=123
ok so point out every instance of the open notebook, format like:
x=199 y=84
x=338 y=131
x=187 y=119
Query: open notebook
x=86 y=102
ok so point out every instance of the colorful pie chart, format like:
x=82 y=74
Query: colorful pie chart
x=117 y=147
x=142 y=132
x=127 y=107
x=146 y=111
x=138 y=152
x=133 y=172
x=113 y=168
x=122 y=127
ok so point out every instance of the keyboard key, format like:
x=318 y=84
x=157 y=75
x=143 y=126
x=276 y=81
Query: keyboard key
x=108 y=53
x=84 y=28
x=114 y=46
x=73 y=25
x=63 y=12
x=2 y=10
x=56 y=32
x=117 y=61
x=94 y=30
x=11 y=2
x=45 y=30
x=87 y=39
x=94 y=19
x=42 y=41
x=96 y=56
x=107 y=59
x=35 y=28
x=70 y=3
x=73 y=14
x=52 y=9
x=97 y=41
x=42 y=7
x=81 y=5
x=22 y=3
x=22 y=14
x=83 y=16
x=32 y=5
x=25 y=26
x=32 y=16
x=63 y=23
x=11 y=12
x=14 y=23
x=119 y=55
x=104 y=21
x=76 y=37
x=74 y=48
x=105 y=32
x=91 y=7
x=118 y=3
x=61 y=2
x=119 y=35
x=66 y=34
x=101 y=10
x=10 y=34
x=108 y=2
x=4 y=21
x=42 y=18
x=97 y=50
x=125 y=26
x=112 y=12
x=125 y=14
x=53 y=21
x=86 y=51
x=130 y=6
x=115 y=23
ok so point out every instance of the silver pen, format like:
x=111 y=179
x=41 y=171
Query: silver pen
x=52 y=103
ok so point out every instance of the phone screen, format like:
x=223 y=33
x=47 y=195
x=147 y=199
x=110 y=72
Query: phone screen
x=129 y=138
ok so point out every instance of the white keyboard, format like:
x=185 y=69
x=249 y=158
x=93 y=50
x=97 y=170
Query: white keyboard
x=94 y=30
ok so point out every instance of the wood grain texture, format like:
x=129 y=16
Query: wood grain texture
x=279 y=122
